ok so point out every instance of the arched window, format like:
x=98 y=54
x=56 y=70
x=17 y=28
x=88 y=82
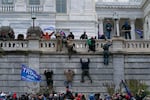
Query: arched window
x=7 y=1
x=61 y=6
x=34 y=2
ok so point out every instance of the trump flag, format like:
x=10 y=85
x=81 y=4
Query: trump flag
x=28 y=74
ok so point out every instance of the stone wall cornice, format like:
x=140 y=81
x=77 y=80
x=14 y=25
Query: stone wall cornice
x=122 y=5
x=117 y=6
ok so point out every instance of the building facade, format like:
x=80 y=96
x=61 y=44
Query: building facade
x=76 y=16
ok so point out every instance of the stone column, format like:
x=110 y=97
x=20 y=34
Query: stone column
x=118 y=61
x=148 y=26
x=117 y=27
x=116 y=24
x=146 y=36
x=101 y=29
x=132 y=22
x=33 y=62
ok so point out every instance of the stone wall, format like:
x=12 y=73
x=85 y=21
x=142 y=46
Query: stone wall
x=128 y=60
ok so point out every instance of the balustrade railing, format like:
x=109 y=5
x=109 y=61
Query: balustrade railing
x=14 y=45
x=7 y=8
x=35 y=8
x=79 y=45
x=137 y=45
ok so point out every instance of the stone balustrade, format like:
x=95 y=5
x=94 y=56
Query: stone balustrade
x=137 y=45
x=6 y=8
x=14 y=45
x=80 y=45
x=35 y=8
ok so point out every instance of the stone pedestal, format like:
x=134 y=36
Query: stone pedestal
x=117 y=44
x=118 y=61
x=34 y=63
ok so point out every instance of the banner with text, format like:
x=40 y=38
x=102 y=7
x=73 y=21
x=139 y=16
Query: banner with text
x=28 y=74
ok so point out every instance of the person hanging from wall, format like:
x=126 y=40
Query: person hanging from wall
x=127 y=30
x=85 y=69
x=91 y=43
x=70 y=46
x=106 y=52
x=49 y=78
x=59 y=41
x=69 y=77
x=108 y=28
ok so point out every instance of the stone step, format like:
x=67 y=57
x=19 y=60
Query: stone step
x=83 y=89
x=78 y=83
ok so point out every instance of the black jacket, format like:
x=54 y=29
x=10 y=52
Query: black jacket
x=84 y=65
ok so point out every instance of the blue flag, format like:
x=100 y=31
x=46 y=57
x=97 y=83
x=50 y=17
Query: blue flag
x=126 y=88
x=28 y=74
x=50 y=28
x=139 y=32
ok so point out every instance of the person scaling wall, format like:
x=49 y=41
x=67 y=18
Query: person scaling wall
x=106 y=52
x=49 y=78
x=70 y=46
x=85 y=69
x=69 y=78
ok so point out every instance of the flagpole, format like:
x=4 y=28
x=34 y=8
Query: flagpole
x=126 y=88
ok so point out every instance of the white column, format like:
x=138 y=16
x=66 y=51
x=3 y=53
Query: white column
x=146 y=36
x=117 y=27
x=148 y=25
x=132 y=22
x=100 y=22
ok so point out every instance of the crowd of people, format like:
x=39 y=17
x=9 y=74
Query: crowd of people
x=69 y=95
x=107 y=34
x=9 y=36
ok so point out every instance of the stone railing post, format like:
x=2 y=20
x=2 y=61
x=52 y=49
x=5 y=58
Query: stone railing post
x=33 y=62
x=117 y=61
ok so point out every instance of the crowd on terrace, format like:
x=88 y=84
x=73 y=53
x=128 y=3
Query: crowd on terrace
x=7 y=33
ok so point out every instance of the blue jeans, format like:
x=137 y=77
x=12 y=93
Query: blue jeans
x=108 y=34
x=106 y=57
x=68 y=84
x=127 y=35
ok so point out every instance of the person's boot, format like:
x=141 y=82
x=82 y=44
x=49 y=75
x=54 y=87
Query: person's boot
x=82 y=81
x=91 y=82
